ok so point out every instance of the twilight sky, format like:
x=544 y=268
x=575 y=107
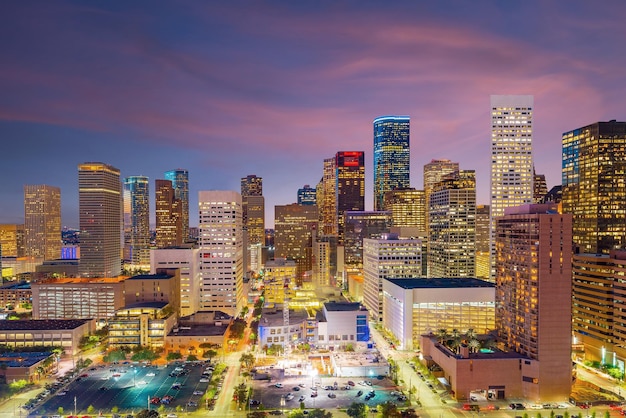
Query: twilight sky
x=231 y=88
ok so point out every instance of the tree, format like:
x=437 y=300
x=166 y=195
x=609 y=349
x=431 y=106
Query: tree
x=350 y=347
x=388 y=409
x=210 y=354
x=192 y=357
x=175 y=355
x=115 y=410
x=357 y=410
x=320 y=413
x=442 y=335
x=247 y=359
x=60 y=410
x=91 y=409
x=474 y=345
x=147 y=414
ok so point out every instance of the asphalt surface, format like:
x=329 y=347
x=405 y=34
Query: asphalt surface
x=127 y=386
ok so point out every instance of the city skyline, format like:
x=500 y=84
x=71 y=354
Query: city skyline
x=275 y=90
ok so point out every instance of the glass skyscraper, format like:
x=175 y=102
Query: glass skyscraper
x=180 y=183
x=391 y=156
x=137 y=220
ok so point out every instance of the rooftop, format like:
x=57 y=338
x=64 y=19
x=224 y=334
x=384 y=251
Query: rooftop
x=342 y=306
x=158 y=276
x=273 y=317
x=199 y=331
x=438 y=283
x=41 y=324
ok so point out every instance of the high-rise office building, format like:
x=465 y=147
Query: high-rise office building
x=434 y=172
x=387 y=258
x=42 y=221
x=169 y=215
x=253 y=207
x=483 y=268
x=221 y=251
x=407 y=207
x=511 y=156
x=361 y=225
x=136 y=197
x=594 y=189
x=327 y=198
x=350 y=186
x=12 y=240
x=307 y=195
x=100 y=208
x=540 y=187
x=180 y=183
x=452 y=233
x=392 y=156
x=294 y=227
x=534 y=296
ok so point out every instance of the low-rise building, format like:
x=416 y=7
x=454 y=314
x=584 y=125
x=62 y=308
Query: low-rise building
x=342 y=323
x=64 y=333
x=198 y=331
x=272 y=328
x=412 y=307
x=22 y=366
x=15 y=294
x=143 y=324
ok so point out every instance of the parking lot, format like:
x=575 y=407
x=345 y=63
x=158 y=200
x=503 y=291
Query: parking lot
x=130 y=387
x=317 y=393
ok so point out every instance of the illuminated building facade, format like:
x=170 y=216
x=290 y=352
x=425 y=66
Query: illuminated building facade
x=534 y=296
x=42 y=221
x=253 y=215
x=361 y=225
x=307 y=195
x=414 y=307
x=511 y=156
x=452 y=226
x=540 y=188
x=386 y=258
x=483 y=266
x=169 y=215
x=327 y=198
x=434 y=172
x=137 y=221
x=294 y=227
x=221 y=251
x=392 y=156
x=594 y=188
x=180 y=183
x=278 y=275
x=407 y=207
x=350 y=186
x=186 y=259
x=100 y=209
x=12 y=240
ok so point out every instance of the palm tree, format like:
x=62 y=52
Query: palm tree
x=40 y=370
x=470 y=334
x=442 y=335
x=474 y=345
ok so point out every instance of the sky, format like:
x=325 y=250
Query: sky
x=226 y=89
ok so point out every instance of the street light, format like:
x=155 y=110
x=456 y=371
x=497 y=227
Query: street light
x=134 y=374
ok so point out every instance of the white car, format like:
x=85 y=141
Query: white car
x=151 y=374
x=172 y=416
x=62 y=393
x=198 y=392
x=204 y=380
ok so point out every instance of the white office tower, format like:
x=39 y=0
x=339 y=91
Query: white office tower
x=221 y=251
x=387 y=258
x=185 y=258
x=511 y=157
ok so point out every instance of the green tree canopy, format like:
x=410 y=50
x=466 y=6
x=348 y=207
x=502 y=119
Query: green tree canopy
x=357 y=410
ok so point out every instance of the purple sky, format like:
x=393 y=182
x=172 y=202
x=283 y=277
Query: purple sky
x=227 y=89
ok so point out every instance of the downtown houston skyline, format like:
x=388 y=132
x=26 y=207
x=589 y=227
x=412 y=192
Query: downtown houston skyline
x=274 y=88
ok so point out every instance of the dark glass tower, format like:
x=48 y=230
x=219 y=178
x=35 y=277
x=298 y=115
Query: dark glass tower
x=391 y=156
x=350 y=185
x=180 y=183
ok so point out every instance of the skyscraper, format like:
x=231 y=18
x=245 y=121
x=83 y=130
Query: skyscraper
x=253 y=207
x=392 y=156
x=180 y=183
x=511 y=156
x=534 y=296
x=434 y=172
x=407 y=207
x=307 y=195
x=221 y=251
x=100 y=208
x=594 y=188
x=137 y=220
x=540 y=188
x=169 y=215
x=483 y=268
x=350 y=186
x=327 y=198
x=42 y=221
x=12 y=240
x=452 y=234
x=295 y=226
x=361 y=225
x=386 y=258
